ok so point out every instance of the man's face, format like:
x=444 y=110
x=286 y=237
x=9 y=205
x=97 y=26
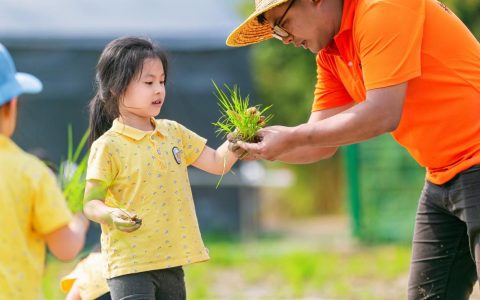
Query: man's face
x=312 y=24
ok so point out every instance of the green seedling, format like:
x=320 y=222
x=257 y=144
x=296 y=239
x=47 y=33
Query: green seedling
x=238 y=117
x=72 y=172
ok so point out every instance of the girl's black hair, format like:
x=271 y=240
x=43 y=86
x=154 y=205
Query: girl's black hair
x=120 y=62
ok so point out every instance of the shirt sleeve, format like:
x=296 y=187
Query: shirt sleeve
x=50 y=210
x=329 y=90
x=101 y=162
x=193 y=144
x=389 y=35
x=91 y=282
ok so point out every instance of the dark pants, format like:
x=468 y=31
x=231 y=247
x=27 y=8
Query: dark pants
x=446 y=241
x=104 y=297
x=164 y=284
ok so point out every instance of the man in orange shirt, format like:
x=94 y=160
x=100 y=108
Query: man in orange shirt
x=409 y=67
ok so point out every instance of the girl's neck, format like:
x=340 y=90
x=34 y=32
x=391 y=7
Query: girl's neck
x=138 y=122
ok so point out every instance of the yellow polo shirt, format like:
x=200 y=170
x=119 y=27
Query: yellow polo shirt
x=32 y=206
x=146 y=172
x=88 y=275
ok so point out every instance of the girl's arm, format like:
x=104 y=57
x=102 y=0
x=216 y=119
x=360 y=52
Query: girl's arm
x=96 y=210
x=217 y=162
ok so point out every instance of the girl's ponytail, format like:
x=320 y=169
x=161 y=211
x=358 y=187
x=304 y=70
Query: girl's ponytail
x=101 y=118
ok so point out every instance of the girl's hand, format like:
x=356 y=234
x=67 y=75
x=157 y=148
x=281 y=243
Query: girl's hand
x=124 y=221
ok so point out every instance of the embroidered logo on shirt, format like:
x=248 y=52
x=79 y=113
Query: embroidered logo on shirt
x=177 y=155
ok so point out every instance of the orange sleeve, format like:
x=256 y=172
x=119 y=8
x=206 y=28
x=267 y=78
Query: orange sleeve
x=389 y=35
x=329 y=90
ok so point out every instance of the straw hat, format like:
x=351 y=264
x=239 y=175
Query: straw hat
x=251 y=31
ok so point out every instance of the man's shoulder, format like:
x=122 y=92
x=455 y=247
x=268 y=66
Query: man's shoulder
x=364 y=6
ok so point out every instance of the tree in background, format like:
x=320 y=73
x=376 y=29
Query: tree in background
x=468 y=11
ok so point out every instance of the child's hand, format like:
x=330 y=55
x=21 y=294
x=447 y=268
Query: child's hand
x=124 y=221
x=239 y=152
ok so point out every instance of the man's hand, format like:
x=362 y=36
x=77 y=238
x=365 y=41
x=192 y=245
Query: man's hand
x=274 y=140
x=123 y=221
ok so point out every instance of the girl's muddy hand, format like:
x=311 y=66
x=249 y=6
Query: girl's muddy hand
x=123 y=221
x=235 y=148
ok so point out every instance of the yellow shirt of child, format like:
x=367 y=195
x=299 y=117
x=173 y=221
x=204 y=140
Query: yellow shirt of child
x=32 y=206
x=88 y=275
x=147 y=175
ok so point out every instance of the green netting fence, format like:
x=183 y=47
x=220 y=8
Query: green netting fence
x=384 y=186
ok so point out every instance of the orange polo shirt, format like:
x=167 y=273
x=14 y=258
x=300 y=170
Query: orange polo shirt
x=387 y=42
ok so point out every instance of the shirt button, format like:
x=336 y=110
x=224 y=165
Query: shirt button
x=151 y=137
x=350 y=63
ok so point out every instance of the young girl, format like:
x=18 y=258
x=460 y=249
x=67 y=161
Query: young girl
x=137 y=181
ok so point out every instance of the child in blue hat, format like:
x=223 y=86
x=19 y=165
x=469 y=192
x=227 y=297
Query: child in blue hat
x=34 y=211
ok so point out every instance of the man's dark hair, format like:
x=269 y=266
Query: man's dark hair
x=261 y=19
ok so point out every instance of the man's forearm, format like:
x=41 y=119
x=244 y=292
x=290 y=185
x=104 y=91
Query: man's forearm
x=379 y=114
x=306 y=154
x=361 y=122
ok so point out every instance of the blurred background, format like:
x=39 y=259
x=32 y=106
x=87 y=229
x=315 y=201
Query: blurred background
x=337 y=229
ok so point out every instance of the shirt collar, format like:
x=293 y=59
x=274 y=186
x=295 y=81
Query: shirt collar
x=7 y=143
x=138 y=134
x=348 y=15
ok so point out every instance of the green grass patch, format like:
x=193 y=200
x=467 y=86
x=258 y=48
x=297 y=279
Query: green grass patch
x=270 y=269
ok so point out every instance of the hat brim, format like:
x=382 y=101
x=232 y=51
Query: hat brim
x=29 y=83
x=251 y=31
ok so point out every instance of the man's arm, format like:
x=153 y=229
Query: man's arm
x=299 y=154
x=380 y=113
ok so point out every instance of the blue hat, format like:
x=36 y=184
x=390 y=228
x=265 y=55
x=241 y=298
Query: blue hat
x=13 y=83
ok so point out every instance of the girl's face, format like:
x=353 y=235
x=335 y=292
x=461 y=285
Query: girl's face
x=145 y=93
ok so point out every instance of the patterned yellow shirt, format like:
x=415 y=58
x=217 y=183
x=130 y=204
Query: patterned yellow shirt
x=147 y=175
x=88 y=275
x=32 y=206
